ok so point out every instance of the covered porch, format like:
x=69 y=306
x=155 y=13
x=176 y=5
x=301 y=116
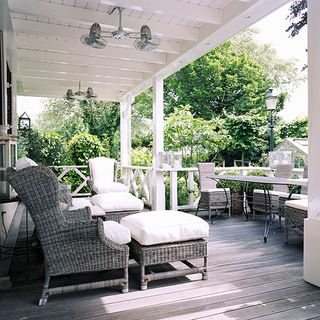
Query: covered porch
x=247 y=280
x=41 y=55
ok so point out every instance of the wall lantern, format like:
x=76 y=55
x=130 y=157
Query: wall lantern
x=24 y=121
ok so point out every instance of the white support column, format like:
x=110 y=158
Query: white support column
x=173 y=190
x=157 y=184
x=312 y=223
x=125 y=135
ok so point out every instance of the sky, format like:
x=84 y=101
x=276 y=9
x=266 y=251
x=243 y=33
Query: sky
x=272 y=30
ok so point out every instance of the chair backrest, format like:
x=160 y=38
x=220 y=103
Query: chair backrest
x=283 y=171
x=38 y=189
x=205 y=169
x=103 y=170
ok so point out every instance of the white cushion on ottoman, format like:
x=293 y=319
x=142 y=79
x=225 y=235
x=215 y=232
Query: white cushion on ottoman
x=117 y=201
x=78 y=203
x=116 y=232
x=157 y=227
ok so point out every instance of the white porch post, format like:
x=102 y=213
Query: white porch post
x=157 y=185
x=125 y=135
x=312 y=223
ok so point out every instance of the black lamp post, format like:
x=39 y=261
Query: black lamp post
x=24 y=121
x=271 y=102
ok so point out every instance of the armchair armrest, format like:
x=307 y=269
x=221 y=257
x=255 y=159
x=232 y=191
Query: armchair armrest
x=83 y=214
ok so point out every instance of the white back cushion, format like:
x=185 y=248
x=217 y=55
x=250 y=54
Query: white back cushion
x=25 y=162
x=102 y=170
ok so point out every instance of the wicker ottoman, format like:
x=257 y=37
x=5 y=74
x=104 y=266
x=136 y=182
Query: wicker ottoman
x=295 y=211
x=166 y=236
x=117 y=205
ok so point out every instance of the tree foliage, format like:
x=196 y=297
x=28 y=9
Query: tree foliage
x=221 y=82
x=98 y=118
x=46 y=148
x=298 y=128
x=298 y=16
x=83 y=147
x=198 y=139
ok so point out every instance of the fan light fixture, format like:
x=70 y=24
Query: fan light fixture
x=144 y=40
x=80 y=95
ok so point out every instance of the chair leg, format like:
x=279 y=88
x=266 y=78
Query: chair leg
x=45 y=291
x=209 y=211
x=125 y=284
x=197 y=210
x=144 y=281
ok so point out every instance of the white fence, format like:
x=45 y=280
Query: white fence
x=140 y=181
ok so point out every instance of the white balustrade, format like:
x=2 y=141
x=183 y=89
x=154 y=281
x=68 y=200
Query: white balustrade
x=139 y=179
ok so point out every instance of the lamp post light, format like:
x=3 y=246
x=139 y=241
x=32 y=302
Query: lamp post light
x=271 y=102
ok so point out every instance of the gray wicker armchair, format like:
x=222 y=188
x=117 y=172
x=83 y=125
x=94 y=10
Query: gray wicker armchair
x=211 y=197
x=71 y=242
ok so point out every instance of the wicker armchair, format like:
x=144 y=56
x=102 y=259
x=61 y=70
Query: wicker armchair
x=212 y=198
x=71 y=242
x=259 y=196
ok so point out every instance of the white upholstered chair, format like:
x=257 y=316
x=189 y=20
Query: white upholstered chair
x=103 y=176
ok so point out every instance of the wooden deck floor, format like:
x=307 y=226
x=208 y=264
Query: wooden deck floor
x=248 y=279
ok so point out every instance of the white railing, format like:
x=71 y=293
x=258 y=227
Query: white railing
x=65 y=170
x=140 y=181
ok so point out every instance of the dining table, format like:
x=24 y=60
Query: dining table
x=265 y=182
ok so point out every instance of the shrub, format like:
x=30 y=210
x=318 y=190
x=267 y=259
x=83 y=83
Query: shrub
x=83 y=147
x=46 y=148
x=141 y=157
x=235 y=186
x=255 y=185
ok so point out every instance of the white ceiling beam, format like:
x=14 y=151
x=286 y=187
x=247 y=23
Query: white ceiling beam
x=62 y=86
x=176 y=8
x=86 y=16
x=80 y=70
x=43 y=44
x=122 y=83
x=84 y=61
x=52 y=93
x=237 y=15
x=68 y=33
x=74 y=82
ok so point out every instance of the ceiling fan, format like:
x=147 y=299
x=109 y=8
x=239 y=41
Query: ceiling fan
x=80 y=95
x=144 y=40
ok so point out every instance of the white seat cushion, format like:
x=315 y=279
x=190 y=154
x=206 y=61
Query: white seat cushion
x=295 y=196
x=117 y=201
x=298 y=204
x=78 y=203
x=167 y=226
x=116 y=232
x=110 y=187
x=216 y=189
x=271 y=192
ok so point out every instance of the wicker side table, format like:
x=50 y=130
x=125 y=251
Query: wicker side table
x=169 y=252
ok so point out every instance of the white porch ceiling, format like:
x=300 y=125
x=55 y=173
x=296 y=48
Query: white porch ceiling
x=52 y=58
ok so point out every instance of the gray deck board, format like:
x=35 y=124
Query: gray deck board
x=248 y=279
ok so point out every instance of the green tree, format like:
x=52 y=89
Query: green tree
x=46 y=148
x=298 y=16
x=298 y=128
x=247 y=139
x=83 y=147
x=218 y=83
x=88 y=116
x=198 y=139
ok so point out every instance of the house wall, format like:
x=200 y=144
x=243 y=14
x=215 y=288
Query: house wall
x=7 y=58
